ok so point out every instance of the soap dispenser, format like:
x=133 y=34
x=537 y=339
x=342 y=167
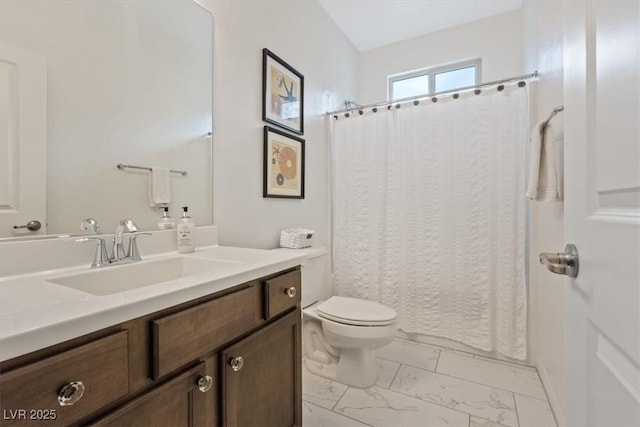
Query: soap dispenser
x=185 y=232
x=166 y=222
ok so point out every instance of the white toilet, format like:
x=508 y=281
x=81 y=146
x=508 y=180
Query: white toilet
x=340 y=334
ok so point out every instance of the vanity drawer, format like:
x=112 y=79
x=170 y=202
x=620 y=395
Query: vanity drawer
x=185 y=336
x=31 y=394
x=281 y=293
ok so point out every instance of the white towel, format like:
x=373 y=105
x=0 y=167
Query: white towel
x=543 y=181
x=159 y=187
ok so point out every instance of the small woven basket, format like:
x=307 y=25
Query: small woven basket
x=296 y=238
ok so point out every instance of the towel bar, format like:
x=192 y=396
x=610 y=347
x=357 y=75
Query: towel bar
x=122 y=166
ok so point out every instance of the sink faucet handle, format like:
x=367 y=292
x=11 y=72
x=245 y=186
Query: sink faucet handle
x=118 y=248
x=133 y=254
x=129 y=225
x=101 y=257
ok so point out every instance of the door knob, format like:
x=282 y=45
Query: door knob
x=33 y=225
x=566 y=262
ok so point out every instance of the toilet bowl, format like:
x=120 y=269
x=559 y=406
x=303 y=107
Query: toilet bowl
x=340 y=336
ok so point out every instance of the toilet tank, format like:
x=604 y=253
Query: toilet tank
x=315 y=276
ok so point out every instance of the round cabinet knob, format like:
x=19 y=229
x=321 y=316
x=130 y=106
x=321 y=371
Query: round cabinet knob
x=204 y=383
x=291 y=292
x=70 y=393
x=236 y=363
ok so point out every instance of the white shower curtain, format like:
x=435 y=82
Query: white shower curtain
x=429 y=215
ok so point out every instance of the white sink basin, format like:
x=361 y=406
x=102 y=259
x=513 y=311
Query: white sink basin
x=121 y=278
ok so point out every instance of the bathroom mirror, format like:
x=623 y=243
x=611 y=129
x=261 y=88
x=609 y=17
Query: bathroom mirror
x=121 y=82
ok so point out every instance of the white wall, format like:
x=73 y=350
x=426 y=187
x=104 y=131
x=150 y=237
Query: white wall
x=301 y=33
x=497 y=40
x=122 y=88
x=543 y=47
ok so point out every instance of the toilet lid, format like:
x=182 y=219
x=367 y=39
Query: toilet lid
x=354 y=311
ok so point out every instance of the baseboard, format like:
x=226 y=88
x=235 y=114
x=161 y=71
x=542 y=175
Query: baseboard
x=561 y=419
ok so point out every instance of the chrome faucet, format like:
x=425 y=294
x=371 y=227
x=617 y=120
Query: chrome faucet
x=102 y=259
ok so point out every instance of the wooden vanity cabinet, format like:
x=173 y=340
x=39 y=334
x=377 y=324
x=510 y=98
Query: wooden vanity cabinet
x=172 y=367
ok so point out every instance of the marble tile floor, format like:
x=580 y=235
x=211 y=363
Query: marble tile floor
x=424 y=385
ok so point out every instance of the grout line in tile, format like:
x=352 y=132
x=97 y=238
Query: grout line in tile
x=515 y=408
x=547 y=396
x=533 y=397
x=489 y=385
x=395 y=376
x=539 y=400
x=438 y=362
x=499 y=362
x=340 y=398
x=503 y=362
x=479 y=383
x=338 y=413
x=512 y=391
x=434 y=346
x=402 y=363
x=433 y=403
x=515 y=405
x=470 y=354
x=487 y=419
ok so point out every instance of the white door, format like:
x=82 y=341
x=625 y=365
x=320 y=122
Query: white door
x=602 y=211
x=23 y=141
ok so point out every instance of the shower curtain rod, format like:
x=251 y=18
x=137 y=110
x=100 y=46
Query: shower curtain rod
x=413 y=98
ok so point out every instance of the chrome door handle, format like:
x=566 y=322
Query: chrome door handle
x=566 y=262
x=33 y=225
x=290 y=292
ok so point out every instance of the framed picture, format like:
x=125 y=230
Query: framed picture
x=282 y=93
x=283 y=165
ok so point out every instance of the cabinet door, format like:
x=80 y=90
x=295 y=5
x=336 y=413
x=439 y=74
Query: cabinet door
x=262 y=377
x=176 y=403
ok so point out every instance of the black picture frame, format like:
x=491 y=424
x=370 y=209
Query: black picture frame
x=282 y=93
x=283 y=165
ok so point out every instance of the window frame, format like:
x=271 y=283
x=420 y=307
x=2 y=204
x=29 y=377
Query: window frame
x=431 y=73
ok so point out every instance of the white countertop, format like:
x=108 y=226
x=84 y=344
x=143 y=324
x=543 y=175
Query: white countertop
x=36 y=313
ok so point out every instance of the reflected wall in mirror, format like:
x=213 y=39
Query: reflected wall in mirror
x=95 y=83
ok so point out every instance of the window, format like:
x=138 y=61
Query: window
x=434 y=80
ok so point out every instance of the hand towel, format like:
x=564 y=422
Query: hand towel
x=159 y=187
x=543 y=181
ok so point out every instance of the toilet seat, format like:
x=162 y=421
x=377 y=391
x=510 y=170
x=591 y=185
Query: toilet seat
x=357 y=312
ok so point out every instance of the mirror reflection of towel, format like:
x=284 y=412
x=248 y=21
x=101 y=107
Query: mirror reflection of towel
x=543 y=180
x=159 y=187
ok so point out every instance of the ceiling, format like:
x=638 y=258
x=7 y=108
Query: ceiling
x=373 y=23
